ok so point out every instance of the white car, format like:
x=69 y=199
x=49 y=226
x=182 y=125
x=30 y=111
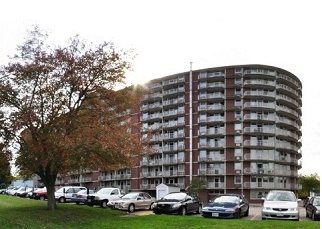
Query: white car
x=103 y=197
x=64 y=194
x=280 y=204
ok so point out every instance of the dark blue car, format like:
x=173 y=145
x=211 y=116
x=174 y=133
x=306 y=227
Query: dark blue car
x=81 y=196
x=226 y=206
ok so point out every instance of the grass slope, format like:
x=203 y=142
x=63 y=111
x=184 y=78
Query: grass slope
x=23 y=213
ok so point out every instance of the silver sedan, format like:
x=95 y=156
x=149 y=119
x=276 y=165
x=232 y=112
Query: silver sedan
x=133 y=201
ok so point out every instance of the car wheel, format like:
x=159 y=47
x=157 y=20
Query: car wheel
x=131 y=208
x=61 y=200
x=183 y=211
x=199 y=210
x=247 y=212
x=42 y=198
x=307 y=214
x=150 y=208
x=313 y=216
x=77 y=202
x=104 y=203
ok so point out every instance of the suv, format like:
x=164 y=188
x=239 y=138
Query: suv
x=64 y=194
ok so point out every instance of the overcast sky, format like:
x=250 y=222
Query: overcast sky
x=167 y=35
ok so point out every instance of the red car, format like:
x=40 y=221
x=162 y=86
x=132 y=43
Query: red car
x=40 y=194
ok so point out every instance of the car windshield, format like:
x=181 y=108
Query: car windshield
x=60 y=190
x=316 y=202
x=130 y=196
x=281 y=196
x=175 y=196
x=105 y=191
x=227 y=199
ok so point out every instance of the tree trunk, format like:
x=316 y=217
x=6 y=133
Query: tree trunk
x=51 y=203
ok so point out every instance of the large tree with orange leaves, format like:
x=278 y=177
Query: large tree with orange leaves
x=60 y=110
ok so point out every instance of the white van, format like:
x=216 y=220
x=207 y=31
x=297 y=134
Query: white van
x=64 y=194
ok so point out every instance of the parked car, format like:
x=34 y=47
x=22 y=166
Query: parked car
x=64 y=194
x=280 y=204
x=23 y=192
x=226 y=206
x=178 y=203
x=40 y=194
x=30 y=193
x=7 y=190
x=306 y=200
x=12 y=191
x=81 y=196
x=15 y=192
x=133 y=201
x=103 y=197
x=313 y=208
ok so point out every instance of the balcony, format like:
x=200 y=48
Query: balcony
x=211 y=107
x=259 y=143
x=260 y=72
x=215 y=185
x=267 y=185
x=211 y=171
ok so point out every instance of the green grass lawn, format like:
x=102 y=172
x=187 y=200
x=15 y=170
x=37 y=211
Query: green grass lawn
x=19 y=213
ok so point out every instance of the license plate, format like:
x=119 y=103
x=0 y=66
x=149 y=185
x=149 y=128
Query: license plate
x=279 y=214
x=215 y=214
x=89 y=200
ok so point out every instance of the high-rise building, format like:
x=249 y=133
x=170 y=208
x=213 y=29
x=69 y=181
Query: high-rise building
x=237 y=128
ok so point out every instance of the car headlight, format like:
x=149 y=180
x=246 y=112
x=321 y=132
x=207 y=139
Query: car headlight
x=267 y=208
x=230 y=210
x=317 y=212
x=176 y=205
x=154 y=205
x=205 y=209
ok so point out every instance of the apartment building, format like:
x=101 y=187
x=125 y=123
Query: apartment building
x=236 y=127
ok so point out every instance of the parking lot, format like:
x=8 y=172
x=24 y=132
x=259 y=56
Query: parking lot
x=254 y=213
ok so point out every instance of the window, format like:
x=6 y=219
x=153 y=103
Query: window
x=238 y=165
x=238 y=114
x=238 y=103
x=238 y=81
x=237 y=152
x=238 y=139
x=203 y=166
x=238 y=126
x=238 y=70
x=203 y=141
x=238 y=91
x=202 y=153
x=238 y=179
x=203 y=129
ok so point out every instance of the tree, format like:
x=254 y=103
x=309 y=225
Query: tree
x=310 y=183
x=61 y=112
x=5 y=173
x=196 y=185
